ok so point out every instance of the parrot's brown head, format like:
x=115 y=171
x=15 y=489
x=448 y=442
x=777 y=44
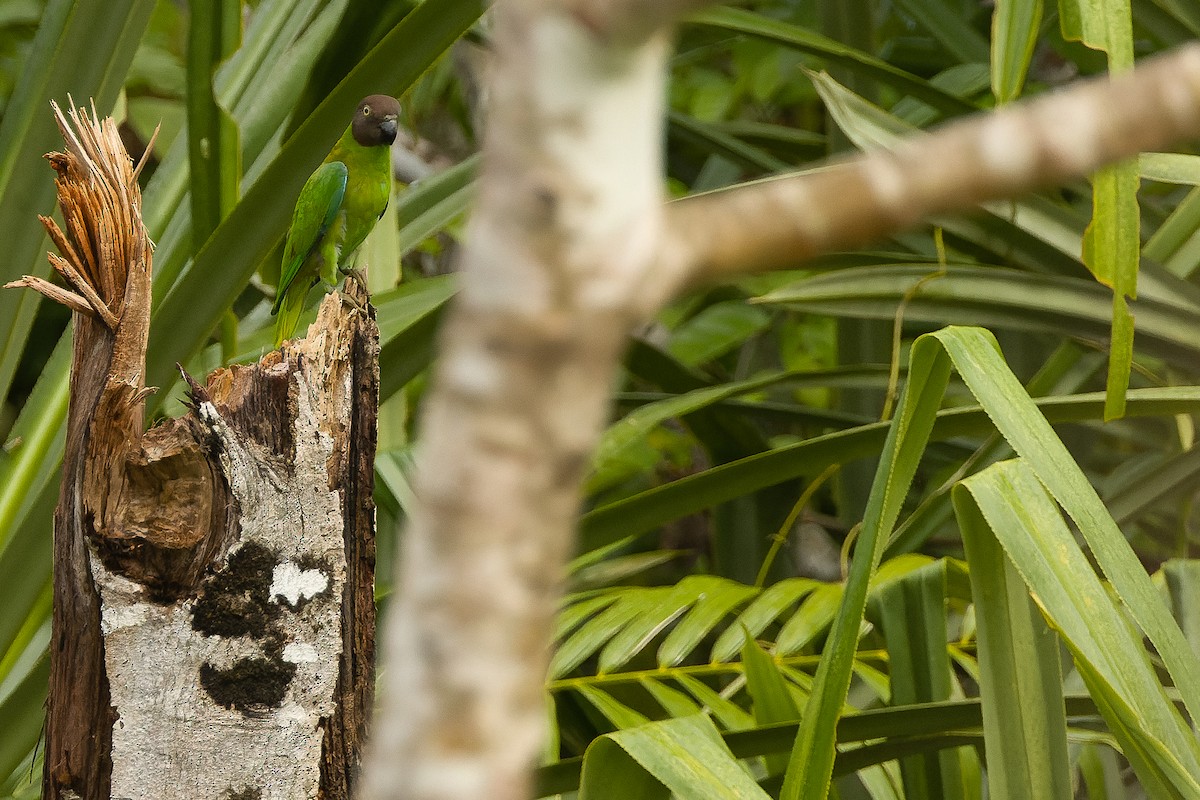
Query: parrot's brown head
x=375 y=120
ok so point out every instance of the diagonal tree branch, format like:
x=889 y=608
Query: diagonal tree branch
x=1026 y=146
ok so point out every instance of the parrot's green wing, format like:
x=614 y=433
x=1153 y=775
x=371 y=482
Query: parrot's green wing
x=316 y=209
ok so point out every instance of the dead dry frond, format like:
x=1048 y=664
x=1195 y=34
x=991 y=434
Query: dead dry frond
x=101 y=204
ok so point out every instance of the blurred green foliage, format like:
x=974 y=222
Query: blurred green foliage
x=18 y=21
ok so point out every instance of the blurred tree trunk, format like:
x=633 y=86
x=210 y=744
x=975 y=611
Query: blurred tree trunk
x=213 y=628
x=570 y=246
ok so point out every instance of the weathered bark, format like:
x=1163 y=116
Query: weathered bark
x=213 y=628
x=570 y=245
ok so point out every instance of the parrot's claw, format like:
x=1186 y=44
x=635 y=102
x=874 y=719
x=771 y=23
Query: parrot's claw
x=348 y=298
x=359 y=277
x=353 y=302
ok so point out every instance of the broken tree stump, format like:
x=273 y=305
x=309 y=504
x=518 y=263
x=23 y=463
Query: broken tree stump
x=214 y=619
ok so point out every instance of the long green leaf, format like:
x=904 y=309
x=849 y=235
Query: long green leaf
x=412 y=322
x=600 y=629
x=866 y=125
x=25 y=575
x=913 y=613
x=731 y=716
x=720 y=597
x=977 y=358
x=1183 y=585
x=921 y=728
x=810 y=620
x=953 y=33
x=611 y=460
x=1100 y=769
x=996 y=297
x=684 y=757
x=1111 y=244
x=1015 y=26
x=643 y=512
x=673 y=701
x=714 y=139
x=1175 y=243
x=214 y=151
x=615 y=711
x=741 y=21
x=1066 y=371
x=1158 y=484
x=652 y=619
x=765 y=609
x=811 y=762
x=1102 y=25
x=1024 y=721
x=22 y=711
x=1024 y=517
x=429 y=206
x=37 y=443
x=768 y=689
x=1170 y=168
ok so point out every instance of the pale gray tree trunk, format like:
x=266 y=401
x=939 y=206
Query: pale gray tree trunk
x=571 y=245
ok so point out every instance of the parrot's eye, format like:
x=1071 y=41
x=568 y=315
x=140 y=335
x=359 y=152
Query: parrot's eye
x=366 y=111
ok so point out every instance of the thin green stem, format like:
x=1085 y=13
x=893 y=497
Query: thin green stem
x=781 y=536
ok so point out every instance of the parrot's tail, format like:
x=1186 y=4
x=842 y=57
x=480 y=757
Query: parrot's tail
x=288 y=308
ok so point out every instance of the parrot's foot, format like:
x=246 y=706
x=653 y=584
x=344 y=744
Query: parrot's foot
x=359 y=277
x=353 y=301
x=348 y=294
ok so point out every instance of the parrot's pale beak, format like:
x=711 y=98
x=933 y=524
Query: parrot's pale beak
x=388 y=126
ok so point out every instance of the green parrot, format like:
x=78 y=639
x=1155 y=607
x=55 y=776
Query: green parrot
x=338 y=206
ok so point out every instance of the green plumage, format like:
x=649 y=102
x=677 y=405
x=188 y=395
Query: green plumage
x=338 y=206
